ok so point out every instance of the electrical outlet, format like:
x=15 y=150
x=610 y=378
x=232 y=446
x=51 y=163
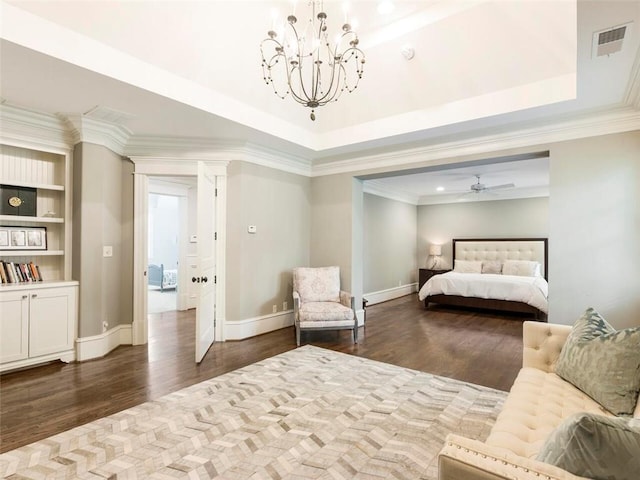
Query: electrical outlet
x=107 y=251
x=275 y=309
x=284 y=305
x=105 y=326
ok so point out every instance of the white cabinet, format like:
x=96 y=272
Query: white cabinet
x=37 y=324
x=14 y=326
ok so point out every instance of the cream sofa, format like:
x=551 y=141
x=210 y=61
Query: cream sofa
x=537 y=403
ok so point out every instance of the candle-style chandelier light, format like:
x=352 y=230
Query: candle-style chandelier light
x=303 y=61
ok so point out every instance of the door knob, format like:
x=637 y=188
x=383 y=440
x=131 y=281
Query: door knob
x=204 y=279
x=195 y=279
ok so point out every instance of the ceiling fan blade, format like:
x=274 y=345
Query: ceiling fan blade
x=500 y=187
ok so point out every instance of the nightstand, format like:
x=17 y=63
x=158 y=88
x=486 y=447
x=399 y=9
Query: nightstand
x=425 y=274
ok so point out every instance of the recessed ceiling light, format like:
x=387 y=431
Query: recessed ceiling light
x=440 y=189
x=386 y=7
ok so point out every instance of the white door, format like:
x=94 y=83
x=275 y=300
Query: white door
x=205 y=279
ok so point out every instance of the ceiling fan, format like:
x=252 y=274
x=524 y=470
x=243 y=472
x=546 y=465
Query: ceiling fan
x=482 y=188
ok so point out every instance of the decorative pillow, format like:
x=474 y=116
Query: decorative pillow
x=595 y=446
x=320 y=284
x=521 y=268
x=602 y=362
x=467 y=266
x=492 y=267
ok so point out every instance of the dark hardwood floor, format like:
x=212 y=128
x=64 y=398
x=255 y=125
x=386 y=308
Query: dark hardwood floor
x=482 y=348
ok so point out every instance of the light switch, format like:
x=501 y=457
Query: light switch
x=107 y=251
x=252 y=229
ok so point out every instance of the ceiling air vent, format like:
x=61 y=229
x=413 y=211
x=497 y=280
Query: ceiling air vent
x=610 y=41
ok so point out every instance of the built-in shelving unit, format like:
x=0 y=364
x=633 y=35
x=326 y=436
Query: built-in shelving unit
x=49 y=172
x=39 y=319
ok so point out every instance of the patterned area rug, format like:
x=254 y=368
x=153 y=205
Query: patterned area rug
x=307 y=413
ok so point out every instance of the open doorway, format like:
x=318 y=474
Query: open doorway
x=208 y=221
x=171 y=248
x=163 y=252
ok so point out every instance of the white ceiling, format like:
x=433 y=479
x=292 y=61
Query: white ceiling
x=192 y=69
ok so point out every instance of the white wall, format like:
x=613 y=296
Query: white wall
x=389 y=247
x=440 y=224
x=163 y=230
x=595 y=229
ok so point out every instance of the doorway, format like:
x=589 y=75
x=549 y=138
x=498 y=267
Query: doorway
x=163 y=252
x=146 y=172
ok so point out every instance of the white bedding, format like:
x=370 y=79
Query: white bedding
x=530 y=290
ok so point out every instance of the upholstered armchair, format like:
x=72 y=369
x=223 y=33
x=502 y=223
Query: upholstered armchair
x=319 y=304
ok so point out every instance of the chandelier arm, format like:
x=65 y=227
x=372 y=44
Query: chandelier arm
x=294 y=52
x=303 y=100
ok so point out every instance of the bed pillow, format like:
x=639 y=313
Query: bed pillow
x=521 y=268
x=467 y=266
x=492 y=267
x=595 y=446
x=602 y=362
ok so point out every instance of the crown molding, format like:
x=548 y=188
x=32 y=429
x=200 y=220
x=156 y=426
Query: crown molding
x=88 y=130
x=204 y=149
x=374 y=187
x=618 y=120
x=632 y=95
x=30 y=129
x=162 y=165
x=269 y=157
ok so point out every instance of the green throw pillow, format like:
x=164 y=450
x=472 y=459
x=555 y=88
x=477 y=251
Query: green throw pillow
x=602 y=362
x=595 y=446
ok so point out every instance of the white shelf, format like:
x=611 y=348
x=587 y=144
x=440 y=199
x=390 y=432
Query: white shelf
x=31 y=253
x=41 y=186
x=22 y=219
x=37 y=285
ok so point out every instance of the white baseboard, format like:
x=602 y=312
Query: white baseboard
x=99 y=345
x=390 y=293
x=250 y=327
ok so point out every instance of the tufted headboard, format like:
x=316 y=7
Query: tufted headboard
x=534 y=249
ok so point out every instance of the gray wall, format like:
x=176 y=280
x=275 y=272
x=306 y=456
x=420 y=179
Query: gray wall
x=103 y=215
x=593 y=226
x=439 y=224
x=331 y=224
x=390 y=234
x=595 y=229
x=259 y=265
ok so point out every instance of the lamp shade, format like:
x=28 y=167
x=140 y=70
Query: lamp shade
x=435 y=250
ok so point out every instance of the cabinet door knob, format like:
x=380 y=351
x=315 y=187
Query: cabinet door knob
x=24 y=297
x=34 y=295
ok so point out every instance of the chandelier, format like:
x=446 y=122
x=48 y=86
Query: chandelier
x=302 y=61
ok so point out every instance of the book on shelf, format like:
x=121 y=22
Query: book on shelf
x=11 y=272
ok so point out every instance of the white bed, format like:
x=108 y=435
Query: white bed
x=514 y=277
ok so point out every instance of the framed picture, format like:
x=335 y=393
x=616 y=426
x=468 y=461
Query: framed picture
x=23 y=238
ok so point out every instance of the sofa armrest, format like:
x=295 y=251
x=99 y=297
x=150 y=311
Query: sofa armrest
x=465 y=459
x=346 y=299
x=542 y=343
